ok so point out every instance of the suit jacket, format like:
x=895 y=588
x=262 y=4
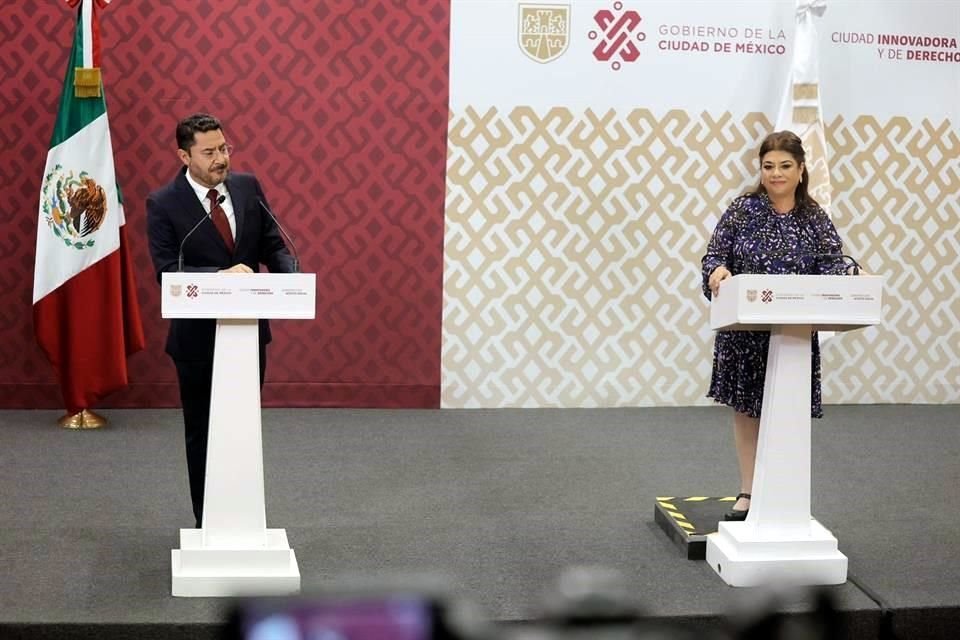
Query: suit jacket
x=172 y=211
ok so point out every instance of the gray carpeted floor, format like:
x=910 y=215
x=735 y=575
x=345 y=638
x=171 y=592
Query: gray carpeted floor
x=499 y=501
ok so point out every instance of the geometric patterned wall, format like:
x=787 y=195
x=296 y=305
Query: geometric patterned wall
x=573 y=246
x=897 y=204
x=339 y=107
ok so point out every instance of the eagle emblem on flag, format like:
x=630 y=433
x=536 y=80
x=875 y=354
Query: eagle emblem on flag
x=74 y=206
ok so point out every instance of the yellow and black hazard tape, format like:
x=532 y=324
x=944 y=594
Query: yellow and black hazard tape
x=667 y=503
x=689 y=520
x=675 y=507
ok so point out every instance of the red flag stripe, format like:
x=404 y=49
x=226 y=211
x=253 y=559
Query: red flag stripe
x=95 y=30
x=88 y=326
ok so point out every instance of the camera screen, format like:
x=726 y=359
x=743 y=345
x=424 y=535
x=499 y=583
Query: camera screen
x=388 y=618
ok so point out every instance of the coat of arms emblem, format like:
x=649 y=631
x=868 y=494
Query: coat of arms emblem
x=73 y=206
x=544 y=30
x=751 y=295
x=176 y=290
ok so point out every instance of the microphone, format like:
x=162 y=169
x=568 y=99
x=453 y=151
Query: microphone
x=199 y=222
x=838 y=256
x=296 y=260
x=796 y=258
x=818 y=256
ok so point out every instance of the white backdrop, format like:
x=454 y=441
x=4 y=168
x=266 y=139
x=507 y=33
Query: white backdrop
x=581 y=193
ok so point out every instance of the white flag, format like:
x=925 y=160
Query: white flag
x=800 y=109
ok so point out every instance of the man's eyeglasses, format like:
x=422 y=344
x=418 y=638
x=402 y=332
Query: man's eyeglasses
x=224 y=150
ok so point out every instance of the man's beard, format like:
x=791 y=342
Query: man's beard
x=217 y=178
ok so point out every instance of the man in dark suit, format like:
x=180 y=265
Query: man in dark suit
x=238 y=236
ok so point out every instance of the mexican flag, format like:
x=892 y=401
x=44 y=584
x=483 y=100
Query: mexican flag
x=801 y=109
x=85 y=311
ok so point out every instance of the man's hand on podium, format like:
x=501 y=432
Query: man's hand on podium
x=237 y=268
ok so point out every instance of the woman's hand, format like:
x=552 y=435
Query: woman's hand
x=718 y=275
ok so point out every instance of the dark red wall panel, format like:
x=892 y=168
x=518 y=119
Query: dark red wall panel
x=340 y=107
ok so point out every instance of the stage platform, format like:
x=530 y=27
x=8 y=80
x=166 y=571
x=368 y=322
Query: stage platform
x=498 y=501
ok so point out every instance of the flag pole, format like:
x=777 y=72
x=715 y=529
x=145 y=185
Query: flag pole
x=87 y=84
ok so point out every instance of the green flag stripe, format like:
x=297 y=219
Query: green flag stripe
x=75 y=113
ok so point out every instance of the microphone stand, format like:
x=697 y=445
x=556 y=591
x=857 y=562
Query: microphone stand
x=296 y=259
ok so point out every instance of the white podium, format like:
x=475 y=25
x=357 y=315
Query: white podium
x=234 y=553
x=780 y=542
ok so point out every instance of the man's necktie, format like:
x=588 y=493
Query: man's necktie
x=220 y=219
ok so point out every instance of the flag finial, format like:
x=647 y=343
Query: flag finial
x=811 y=8
x=73 y=3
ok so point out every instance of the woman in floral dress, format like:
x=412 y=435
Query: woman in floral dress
x=776 y=229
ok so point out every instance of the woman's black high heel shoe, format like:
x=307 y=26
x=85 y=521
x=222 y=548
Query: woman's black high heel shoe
x=736 y=515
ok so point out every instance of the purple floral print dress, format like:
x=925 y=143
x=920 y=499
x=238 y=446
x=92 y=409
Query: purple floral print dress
x=752 y=237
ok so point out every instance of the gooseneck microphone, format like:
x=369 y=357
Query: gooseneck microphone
x=843 y=257
x=296 y=259
x=195 y=227
x=828 y=255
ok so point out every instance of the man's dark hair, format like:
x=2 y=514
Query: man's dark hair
x=197 y=123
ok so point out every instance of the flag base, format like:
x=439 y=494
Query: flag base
x=84 y=419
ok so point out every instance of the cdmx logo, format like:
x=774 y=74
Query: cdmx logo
x=616 y=35
x=766 y=296
x=192 y=291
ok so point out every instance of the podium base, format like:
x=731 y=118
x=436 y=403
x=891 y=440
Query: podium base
x=200 y=571
x=743 y=558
